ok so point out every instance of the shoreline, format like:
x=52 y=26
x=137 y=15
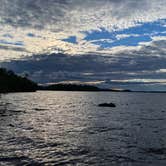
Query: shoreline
x=84 y=91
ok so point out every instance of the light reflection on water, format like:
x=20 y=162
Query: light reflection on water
x=67 y=128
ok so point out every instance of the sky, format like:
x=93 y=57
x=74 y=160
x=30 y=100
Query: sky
x=108 y=43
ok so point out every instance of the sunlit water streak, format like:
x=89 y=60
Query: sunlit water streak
x=68 y=128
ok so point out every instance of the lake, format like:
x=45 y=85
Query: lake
x=68 y=128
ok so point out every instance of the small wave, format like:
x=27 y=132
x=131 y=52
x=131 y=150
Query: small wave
x=101 y=129
x=19 y=160
x=48 y=144
x=157 y=151
x=21 y=140
x=120 y=158
x=153 y=119
x=40 y=109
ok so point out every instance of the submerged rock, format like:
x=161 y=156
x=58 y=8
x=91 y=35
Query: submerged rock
x=107 y=105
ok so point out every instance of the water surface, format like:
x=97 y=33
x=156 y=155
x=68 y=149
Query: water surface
x=68 y=128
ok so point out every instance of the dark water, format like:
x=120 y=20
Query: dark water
x=67 y=128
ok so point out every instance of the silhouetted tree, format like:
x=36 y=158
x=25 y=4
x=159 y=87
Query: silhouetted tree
x=10 y=82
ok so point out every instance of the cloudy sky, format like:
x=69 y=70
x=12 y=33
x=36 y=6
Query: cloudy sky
x=111 y=43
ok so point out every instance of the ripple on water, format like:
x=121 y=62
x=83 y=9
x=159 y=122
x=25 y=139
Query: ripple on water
x=18 y=160
x=66 y=128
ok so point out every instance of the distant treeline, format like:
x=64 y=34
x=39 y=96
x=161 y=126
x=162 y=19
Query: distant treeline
x=70 y=87
x=10 y=82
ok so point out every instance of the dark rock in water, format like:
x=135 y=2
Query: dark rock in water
x=11 y=125
x=107 y=105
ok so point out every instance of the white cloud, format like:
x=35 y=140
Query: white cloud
x=141 y=81
x=161 y=71
x=123 y=36
x=55 y=20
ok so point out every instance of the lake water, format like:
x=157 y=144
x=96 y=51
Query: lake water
x=68 y=128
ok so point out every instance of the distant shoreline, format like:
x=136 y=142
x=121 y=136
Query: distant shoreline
x=104 y=91
x=12 y=83
x=83 y=91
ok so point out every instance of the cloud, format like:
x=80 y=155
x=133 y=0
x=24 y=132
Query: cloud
x=47 y=26
x=31 y=13
x=144 y=81
x=89 y=41
x=13 y=48
x=145 y=63
x=80 y=15
x=122 y=36
x=17 y=43
x=161 y=71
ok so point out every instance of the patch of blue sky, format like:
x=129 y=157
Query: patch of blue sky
x=129 y=41
x=150 y=28
x=71 y=39
x=97 y=35
x=17 y=43
x=31 y=35
x=134 y=35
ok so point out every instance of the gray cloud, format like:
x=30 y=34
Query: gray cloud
x=42 y=13
x=143 y=64
x=13 y=48
x=55 y=20
x=32 y=13
x=125 y=8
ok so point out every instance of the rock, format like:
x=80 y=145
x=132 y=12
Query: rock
x=11 y=125
x=107 y=105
